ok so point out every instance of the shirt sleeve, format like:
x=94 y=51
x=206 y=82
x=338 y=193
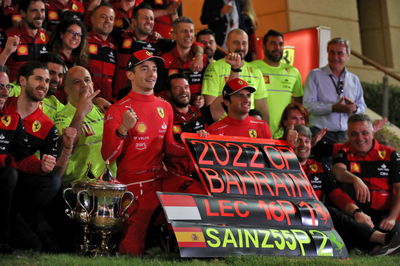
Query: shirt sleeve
x=298 y=90
x=51 y=143
x=341 y=158
x=311 y=101
x=171 y=147
x=112 y=144
x=211 y=84
x=359 y=101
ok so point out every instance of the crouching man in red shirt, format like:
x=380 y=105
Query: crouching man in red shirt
x=137 y=133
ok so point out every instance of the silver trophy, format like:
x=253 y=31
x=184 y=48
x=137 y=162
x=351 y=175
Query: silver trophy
x=101 y=209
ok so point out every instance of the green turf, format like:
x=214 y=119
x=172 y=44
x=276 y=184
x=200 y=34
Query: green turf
x=29 y=258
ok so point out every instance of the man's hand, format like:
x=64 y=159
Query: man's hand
x=362 y=192
x=197 y=64
x=292 y=136
x=202 y=133
x=362 y=218
x=379 y=124
x=387 y=224
x=48 y=162
x=102 y=103
x=93 y=4
x=318 y=136
x=344 y=105
x=68 y=136
x=11 y=44
x=85 y=103
x=235 y=60
x=129 y=120
x=226 y=9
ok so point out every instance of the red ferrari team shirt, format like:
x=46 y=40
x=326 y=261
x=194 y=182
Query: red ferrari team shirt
x=142 y=151
x=249 y=127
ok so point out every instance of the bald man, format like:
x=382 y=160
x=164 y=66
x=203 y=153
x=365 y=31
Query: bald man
x=80 y=113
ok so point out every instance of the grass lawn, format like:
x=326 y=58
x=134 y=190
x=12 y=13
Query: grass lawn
x=157 y=258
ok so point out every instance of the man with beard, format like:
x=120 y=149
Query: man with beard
x=234 y=66
x=55 y=64
x=332 y=93
x=236 y=102
x=207 y=38
x=33 y=38
x=33 y=192
x=101 y=50
x=282 y=80
x=187 y=118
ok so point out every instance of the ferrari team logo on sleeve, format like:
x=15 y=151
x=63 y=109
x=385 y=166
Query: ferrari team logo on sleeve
x=6 y=120
x=36 y=126
x=313 y=167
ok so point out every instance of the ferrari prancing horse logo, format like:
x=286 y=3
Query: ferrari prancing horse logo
x=160 y=111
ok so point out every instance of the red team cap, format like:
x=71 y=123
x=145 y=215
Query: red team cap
x=140 y=56
x=235 y=85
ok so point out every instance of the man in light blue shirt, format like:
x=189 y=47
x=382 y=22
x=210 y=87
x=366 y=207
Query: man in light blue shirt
x=332 y=93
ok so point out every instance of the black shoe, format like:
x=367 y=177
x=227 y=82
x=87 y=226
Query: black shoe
x=392 y=248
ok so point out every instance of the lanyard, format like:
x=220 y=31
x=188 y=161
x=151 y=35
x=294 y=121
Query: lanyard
x=338 y=86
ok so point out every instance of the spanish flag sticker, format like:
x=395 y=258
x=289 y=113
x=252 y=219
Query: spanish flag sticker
x=6 y=120
x=93 y=48
x=266 y=79
x=190 y=237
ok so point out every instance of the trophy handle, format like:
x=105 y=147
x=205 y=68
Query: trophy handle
x=78 y=198
x=126 y=206
x=69 y=211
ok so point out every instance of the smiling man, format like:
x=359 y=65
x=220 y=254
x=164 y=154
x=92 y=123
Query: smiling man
x=33 y=38
x=33 y=192
x=234 y=66
x=332 y=93
x=137 y=134
x=282 y=80
x=181 y=58
x=373 y=170
x=236 y=100
x=102 y=50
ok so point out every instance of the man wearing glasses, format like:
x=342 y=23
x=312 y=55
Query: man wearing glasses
x=332 y=93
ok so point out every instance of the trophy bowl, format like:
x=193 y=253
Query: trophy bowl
x=110 y=201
